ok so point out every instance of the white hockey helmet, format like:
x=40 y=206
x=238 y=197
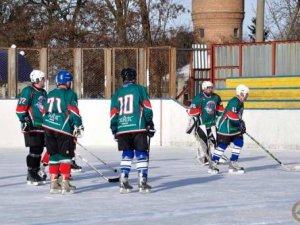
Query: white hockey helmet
x=36 y=76
x=207 y=84
x=241 y=88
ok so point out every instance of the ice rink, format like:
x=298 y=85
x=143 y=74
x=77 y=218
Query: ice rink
x=183 y=192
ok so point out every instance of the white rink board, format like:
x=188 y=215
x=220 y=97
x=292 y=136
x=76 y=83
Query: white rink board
x=274 y=128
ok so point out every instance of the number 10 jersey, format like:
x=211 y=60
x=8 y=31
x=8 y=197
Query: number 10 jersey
x=131 y=110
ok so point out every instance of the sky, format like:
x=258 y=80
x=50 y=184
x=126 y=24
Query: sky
x=186 y=19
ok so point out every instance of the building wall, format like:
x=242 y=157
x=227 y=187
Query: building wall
x=218 y=18
x=270 y=127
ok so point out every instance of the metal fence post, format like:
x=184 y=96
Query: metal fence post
x=107 y=72
x=274 y=58
x=78 y=71
x=173 y=60
x=12 y=73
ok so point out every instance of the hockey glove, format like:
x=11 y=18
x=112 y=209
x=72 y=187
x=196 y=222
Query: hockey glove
x=78 y=131
x=26 y=124
x=150 y=131
x=242 y=127
x=115 y=137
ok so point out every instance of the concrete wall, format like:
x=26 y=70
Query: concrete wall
x=273 y=128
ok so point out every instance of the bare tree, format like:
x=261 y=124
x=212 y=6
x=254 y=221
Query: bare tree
x=78 y=23
x=283 y=19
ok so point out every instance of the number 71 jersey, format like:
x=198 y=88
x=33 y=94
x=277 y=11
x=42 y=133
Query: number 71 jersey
x=130 y=110
x=61 y=111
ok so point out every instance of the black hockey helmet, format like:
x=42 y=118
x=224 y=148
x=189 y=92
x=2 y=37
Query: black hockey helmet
x=128 y=74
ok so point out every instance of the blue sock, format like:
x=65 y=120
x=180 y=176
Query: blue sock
x=238 y=144
x=126 y=161
x=142 y=162
x=219 y=151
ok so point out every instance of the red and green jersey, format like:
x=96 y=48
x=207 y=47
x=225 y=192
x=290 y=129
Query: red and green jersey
x=131 y=110
x=229 y=123
x=61 y=111
x=206 y=108
x=30 y=104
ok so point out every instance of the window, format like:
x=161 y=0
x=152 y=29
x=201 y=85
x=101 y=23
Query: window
x=236 y=32
x=201 y=31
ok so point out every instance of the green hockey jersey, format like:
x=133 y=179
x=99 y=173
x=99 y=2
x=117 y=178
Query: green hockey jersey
x=30 y=104
x=206 y=108
x=229 y=124
x=131 y=110
x=61 y=111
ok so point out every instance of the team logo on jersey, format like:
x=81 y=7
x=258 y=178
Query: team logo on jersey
x=39 y=104
x=125 y=119
x=210 y=107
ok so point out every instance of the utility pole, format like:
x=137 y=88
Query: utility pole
x=260 y=15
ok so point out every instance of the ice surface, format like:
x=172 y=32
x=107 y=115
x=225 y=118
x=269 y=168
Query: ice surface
x=183 y=192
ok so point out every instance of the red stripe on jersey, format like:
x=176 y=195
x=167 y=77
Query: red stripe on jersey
x=113 y=112
x=194 y=112
x=73 y=109
x=147 y=104
x=220 y=108
x=21 y=108
x=43 y=111
x=232 y=116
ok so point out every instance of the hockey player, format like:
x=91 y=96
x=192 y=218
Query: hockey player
x=62 y=122
x=231 y=128
x=29 y=111
x=131 y=122
x=206 y=107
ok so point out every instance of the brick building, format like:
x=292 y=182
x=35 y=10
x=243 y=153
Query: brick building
x=218 y=21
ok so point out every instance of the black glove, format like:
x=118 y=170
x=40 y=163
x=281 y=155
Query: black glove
x=115 y=137
x=242 y=127
x=26 y=124
x=150 y=131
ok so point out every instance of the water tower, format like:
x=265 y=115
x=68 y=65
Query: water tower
x=218 y=21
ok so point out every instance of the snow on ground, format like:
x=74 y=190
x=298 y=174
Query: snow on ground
x=183 y=192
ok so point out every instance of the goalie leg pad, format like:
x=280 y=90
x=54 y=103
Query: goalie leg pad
x=126 y=161
x=191 y=125
x=202 y=133
x=142 y=162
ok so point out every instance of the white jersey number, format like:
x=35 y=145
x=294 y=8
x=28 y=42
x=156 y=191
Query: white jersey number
x=126 y=104
x=51 y=101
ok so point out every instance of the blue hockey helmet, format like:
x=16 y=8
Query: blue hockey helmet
x=63 y=77
x=128 y=74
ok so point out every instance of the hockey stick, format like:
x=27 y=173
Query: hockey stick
x=110 y=180
x=285 y=167
x=149 y=141
x=108 y=166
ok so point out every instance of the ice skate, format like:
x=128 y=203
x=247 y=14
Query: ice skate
x=75 y=167
x=34 y=179
x=234 y=168
x=55 y=187
x=125 y=187
x=66 y=187
x=144 y=187
x=213 y=169
x=42 y=171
